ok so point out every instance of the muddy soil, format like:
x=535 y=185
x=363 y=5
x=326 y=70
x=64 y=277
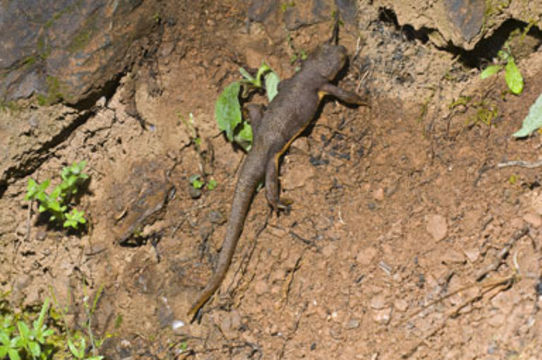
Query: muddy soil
x=411 y=235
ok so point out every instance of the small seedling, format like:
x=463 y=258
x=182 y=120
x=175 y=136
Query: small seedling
x=197 y=182
x=228 y=106
x=21 y=341
x=211 y=184
x=56 y=203
x=512 y=75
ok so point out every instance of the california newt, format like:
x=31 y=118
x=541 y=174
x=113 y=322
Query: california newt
x=274 y=129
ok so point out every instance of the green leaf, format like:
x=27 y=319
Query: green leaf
x=32 y=189
x=44 y=185
x=513 y=77
x=228 y=109
x=4 y=338
x=74 y=218
x=247 y=75
x=195 y=181
x=48 y=333
x=244 y=136
x=197 y=184
x=490 y=70
x=533 y=121
x=74 y=350
x=13 y=354
x=271 y=84
x=35 y=348
x=38 y=323
x=211 y=185
x=264 y=68
x=23 y=330
x=55 y=194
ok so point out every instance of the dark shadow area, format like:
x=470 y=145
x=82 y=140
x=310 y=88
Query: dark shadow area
x=107 y=90
x=484 y=51
x=487 y=49
x=388 y=16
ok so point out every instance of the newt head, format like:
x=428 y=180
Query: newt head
x=327 y=60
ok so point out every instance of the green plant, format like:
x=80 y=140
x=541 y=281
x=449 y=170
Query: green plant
x=23 y=341
x=56 y=203
x=512 y=75
x=197 y=182
x=228 y=106
x=288 y=4
x=486 y=112
x=533 y=120
x=80 y=344
x=211 y=184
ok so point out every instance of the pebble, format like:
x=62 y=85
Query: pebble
x=436 y=226
x=378 y=195
x=382 y=316
x=216 y=217
x=378 y=302
x=352 y=324
x=452 y=256
x=401 y=305
x=472 y=254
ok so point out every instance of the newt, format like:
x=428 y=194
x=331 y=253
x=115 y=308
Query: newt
x=274 y=129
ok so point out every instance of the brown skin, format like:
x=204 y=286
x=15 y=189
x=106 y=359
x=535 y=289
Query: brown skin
x=290 y=112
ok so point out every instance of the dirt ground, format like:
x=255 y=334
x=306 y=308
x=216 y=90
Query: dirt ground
x=409 y=236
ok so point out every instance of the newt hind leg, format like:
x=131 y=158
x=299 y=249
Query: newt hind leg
x=272 y=186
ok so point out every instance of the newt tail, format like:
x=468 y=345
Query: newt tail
x=250 y=176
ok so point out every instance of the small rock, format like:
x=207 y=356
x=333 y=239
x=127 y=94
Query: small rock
x=534 y=219
x=177 y=325
x=193 y=192
x=472 y=254
x=259 y=10
x=452 y=256
x=216 y=217
x=401 y=305
x=378 y=302
x=378 y=195
x=436 y=226
x=366 y=256
x=382 y=316
x=352 y=324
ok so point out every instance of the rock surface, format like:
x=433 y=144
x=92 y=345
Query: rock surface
x=68 y=49
x=461 y=22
